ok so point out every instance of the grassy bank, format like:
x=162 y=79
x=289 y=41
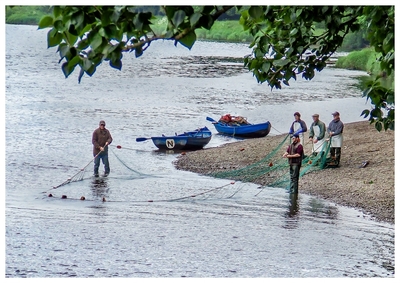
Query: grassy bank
x=364 y=60
x=25 y=15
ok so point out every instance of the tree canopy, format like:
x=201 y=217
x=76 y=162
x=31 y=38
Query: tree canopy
x=284 y=45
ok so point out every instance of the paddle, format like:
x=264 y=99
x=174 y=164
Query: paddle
x=211 y=120
x=142 y=139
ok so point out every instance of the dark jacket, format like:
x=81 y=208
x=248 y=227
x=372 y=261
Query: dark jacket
x=99 y=139
x=293 y=149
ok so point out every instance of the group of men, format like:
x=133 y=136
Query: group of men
x=318 y=136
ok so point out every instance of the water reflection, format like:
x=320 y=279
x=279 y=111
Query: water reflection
x=293 y=205
x=292 y=214
x=99 y=187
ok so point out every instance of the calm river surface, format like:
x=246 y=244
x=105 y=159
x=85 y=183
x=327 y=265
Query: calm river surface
x=149 y=226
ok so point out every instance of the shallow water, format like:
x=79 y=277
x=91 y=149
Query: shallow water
x=157 y=221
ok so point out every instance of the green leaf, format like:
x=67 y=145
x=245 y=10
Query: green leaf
x=293 y=32
x=266 y=66
x=66 y=70
x=91 y=70
x=96 y=41
x=45 y=22
x=178 y=18
x=86 y=64
x=63 y=49
x=378 y=126
x=53 y=38
x=117 y=64
x=255 y=12
x=59 y=25
x=194 y=18
x=365 y=113
x=281 y=62
x=376 y=113
x=188 y=40
x=138 y=51
x=80 y=75
x=57 y=11
x=77 y=18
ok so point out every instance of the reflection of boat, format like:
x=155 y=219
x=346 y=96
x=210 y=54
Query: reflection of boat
x=242 y=130
x=193 y=140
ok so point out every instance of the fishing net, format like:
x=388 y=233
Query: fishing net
x=154 y=186
x=273 y=170
x=87 y=171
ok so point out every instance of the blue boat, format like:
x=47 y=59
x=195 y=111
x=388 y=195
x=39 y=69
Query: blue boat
x=193 y=140
x=242 y=130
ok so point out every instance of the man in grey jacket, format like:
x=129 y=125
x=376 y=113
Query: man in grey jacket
x=335 y=132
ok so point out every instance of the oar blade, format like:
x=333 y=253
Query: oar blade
x=210 y=119
x=142 y=139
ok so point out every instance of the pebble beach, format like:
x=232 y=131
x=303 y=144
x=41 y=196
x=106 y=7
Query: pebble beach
x=369 y=188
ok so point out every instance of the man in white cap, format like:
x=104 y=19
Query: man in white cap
x=101 y=138
x=317 y=134
x=335 y=130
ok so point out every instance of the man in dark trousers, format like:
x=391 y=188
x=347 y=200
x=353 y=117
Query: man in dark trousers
x=101 y=138
x=294 y=154
x=335 y=132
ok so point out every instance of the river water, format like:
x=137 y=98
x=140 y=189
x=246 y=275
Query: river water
x=148 y=219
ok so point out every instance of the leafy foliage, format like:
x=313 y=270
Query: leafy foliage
x=284 y=44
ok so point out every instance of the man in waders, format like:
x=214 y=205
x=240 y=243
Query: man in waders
x=317 y=134
x=298 y=127
x=335 y=130
x=294 y=154
x=101 y=138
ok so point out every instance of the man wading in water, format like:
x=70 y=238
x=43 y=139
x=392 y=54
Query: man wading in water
x=101 y=138
x=294 y=154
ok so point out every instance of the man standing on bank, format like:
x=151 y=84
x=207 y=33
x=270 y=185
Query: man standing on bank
x=294 y=154
x=298 y=127
x=317 y=134
x=101 y=138
x=335 y=130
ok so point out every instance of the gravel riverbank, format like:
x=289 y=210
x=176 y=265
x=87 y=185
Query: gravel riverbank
x=369 y=189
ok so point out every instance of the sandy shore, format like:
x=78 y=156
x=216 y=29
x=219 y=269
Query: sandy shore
x=369 y=189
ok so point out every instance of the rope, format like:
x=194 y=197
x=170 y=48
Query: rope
x=123 y=163
x=120 y=147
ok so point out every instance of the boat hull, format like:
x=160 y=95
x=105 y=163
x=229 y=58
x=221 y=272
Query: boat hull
x=245 y=131
x=187 y=141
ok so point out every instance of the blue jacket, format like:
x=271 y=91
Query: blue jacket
x=303 y=128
